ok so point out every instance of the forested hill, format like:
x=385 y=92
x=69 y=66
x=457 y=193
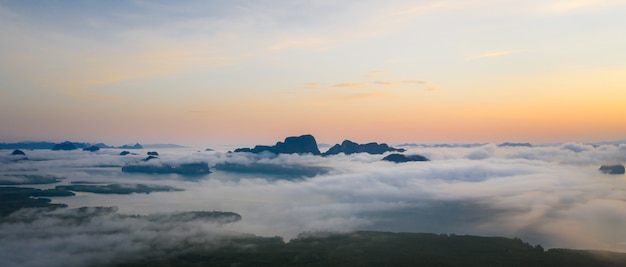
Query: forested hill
x=384 y=249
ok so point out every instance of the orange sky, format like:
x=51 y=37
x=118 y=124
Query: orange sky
x=228 y=73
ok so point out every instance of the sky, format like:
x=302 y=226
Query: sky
x=253 y=72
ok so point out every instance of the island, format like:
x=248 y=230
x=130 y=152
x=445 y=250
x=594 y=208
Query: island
x=400 y=158
x=304 y=144
x=348 y=147
x=612 y=169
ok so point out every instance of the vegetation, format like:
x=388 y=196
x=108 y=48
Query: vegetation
x=384 y=249
x=15 y=198
x=117 y=188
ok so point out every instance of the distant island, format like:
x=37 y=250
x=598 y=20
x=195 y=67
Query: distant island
x=292 y=145
x=401 y=158
x=508 y=144
x=306 y=144
x=348 y=147
x=612 y=169
x=70 y=145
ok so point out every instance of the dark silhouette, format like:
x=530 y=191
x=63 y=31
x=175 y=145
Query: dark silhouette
x=365 y=248
x=295 y=144
x=124 y=153
x=18 y=152
x=399 y=158
x=18 y=155
x=27 y=145
x=150 y=157
x=612 y=169
x=15 y=198
x=153 y=153
x=135 y=146
x=348 y=147
x=122 y=189
x=91 y=149
x=507 y=144
x=67 y=145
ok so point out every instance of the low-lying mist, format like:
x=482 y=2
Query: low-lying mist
x=554 y=196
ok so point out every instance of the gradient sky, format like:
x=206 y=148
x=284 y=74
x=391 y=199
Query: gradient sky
x=246 y=72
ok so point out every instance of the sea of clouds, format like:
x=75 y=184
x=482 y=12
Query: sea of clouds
x=550 y=195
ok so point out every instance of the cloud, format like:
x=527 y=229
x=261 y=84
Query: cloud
x=381 y=82
x=429 y=86
x=350 y=85
x=549 y=195
x=376 y=73
x=387 y=83
x=415 y=82
x=99 y=236
x=371 y=95
x=499 y=53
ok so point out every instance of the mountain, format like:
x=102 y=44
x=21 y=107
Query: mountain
x=294 y=144
x=91 y=148
x=508 y=144
x=135 y=146
x=399 y=158
x=348 y=147
x=47 y=145
x=27 y=145
x=612 y=169
x=67 y=145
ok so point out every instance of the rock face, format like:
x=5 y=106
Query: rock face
x=150 y=157
x=399 y=158
x=18 y=155
x=91 y=149
x=135 y=146
x=612 y=169
x=18 y=152
x=67 y=145
x=198 y=168
x=295 y=144
x=348 y=147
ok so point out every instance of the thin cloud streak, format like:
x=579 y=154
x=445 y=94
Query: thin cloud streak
x=376 y=73
x=500 y=53
x=350 y=85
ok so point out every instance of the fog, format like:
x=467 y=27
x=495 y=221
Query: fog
x=553 y=195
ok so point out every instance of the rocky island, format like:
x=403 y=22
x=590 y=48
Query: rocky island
x=400 y=158
x=292 y=145
x=348 y=147
x=612 y=169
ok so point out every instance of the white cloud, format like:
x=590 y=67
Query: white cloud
x=553 y=196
